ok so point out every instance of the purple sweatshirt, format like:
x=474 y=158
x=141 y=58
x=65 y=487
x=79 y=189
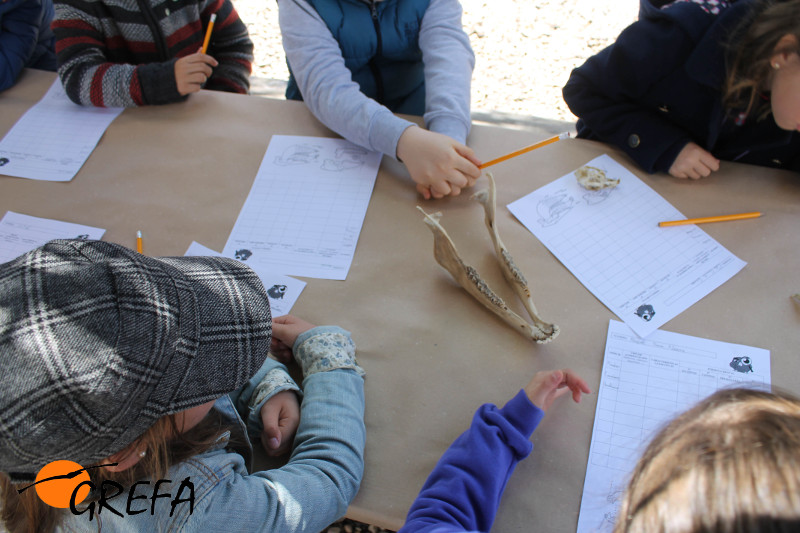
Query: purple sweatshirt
x=462 y=493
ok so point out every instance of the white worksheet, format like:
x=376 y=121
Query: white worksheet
x=22 y=233
x=282 y=291
x=54 y=138
x=610 y=240
x=305 y=210
x=645 y=383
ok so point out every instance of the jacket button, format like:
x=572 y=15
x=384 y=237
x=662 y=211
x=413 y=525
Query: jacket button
x=634 y=140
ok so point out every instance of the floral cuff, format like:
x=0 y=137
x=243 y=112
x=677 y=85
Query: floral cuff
x=275 y=381
x=326 y=348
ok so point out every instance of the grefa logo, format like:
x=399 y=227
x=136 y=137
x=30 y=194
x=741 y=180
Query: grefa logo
x=65 y=484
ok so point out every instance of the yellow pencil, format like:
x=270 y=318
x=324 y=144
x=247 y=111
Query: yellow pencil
x=208 y=32
x=139 y=241
x=703 y=220
x=521 y=151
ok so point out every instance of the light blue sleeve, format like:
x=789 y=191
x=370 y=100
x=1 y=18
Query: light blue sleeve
x=327 y=85
x=270 y=379
x=449 y=62
x=318 y=483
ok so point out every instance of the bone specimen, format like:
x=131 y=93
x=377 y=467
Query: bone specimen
x=511 y=272
x=594 y=178
x=445 y=253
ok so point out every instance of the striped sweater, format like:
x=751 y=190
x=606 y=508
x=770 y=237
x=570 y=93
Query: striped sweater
x=122 y=53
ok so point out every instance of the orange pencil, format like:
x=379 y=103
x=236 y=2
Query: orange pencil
x=702 y=220
x=208 y=32
x=521 y=151
x=139 y=241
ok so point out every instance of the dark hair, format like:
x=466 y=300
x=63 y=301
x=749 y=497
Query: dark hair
x=730 y=464
x=749 y=49
x=164 y=446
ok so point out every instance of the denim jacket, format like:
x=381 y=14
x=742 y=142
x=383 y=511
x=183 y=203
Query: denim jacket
x=310 y=492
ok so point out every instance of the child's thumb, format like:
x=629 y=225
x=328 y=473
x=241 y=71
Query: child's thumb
x=273 y=439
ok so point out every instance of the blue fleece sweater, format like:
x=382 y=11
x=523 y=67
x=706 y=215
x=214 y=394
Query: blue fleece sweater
x=25 y=38
x=462 y=493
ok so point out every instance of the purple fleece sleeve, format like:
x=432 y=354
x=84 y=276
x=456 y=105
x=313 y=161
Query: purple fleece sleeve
x=464 y=489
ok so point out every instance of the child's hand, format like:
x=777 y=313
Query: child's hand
x=438 y=164
x=191 y=72
x=285 y=330
x=693 y=162
x=545 y=387
x=280 y=416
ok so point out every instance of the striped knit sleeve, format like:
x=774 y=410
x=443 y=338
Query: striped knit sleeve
x=83 y=38
x=231 y=46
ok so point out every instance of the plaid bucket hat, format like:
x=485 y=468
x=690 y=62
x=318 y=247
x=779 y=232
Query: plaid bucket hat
x=97 y=342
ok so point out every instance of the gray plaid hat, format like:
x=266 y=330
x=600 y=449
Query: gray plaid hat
x=97 y=342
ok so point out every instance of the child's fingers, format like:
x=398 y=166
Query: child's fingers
x=457 y=178
x=440 y=188
x=467 y=166
x=469 y=153
x=424 y=190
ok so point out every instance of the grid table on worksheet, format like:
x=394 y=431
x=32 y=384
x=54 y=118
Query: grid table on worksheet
x=644 y=384
x=610 y=240
x=54 y=138
x=304 y=213
x=641 y=390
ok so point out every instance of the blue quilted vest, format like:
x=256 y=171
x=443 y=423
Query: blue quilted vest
x=380 y=45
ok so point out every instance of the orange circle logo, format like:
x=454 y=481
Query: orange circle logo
x=56 y=482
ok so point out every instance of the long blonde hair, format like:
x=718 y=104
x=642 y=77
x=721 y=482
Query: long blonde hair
x=749 y=49
x=163 y=446
x=730 y=464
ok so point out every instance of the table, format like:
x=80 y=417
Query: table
x=432 y=354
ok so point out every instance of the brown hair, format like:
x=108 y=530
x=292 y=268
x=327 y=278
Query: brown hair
x=750 y=48
x=163 y=446
x=730 y=464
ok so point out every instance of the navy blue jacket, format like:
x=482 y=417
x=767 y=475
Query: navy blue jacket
x=659 y=86
x=26 y=39
x=380 y=46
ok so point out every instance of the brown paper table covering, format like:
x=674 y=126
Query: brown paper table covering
x=182 y=172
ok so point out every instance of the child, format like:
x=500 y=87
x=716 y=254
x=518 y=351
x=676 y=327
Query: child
x=695 y=82
x=356 y=62
x=464 y=489
x=121 y=53
x=25 y=38
x=731 y=463
x=117 y=359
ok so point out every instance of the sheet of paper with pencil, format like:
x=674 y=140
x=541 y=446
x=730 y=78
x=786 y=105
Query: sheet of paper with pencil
x=610 y=240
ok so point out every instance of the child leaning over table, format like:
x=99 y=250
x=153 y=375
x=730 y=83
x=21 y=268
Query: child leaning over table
x=126 y=53
x=696 y=81
x=729 y=464
x=26 y=39
x=110 y=356
x=357 y=62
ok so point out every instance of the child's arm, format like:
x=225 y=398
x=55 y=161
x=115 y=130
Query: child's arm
x=327 y=86
x=231 y=46
x=268 y=403
x=19 y=30
x=325 y=469
x=449 y=62
x=464 y=489
x=443 y=165
x=606 y=91
x=89 y=78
